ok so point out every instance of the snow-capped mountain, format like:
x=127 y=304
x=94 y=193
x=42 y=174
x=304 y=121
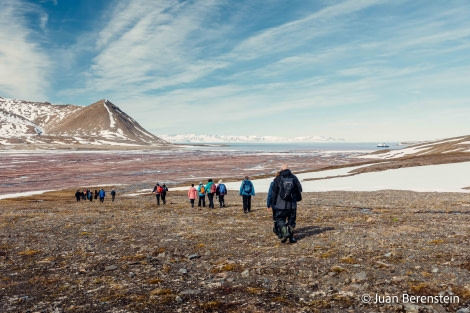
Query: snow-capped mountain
x=193 y=138
x=101 y=123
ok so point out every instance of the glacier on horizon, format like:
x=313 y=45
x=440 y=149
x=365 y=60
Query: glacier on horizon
x=193 y=138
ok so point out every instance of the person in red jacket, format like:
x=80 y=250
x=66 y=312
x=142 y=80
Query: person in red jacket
x=157 y=190
x=192 y=195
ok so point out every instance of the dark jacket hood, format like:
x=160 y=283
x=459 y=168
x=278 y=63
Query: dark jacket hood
x=285 y=173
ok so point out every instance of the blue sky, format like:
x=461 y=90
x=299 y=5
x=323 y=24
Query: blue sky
x=360 y=70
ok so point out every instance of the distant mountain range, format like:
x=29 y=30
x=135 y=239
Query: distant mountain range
x=41 y=123
x=193 y=138
x=99 y=125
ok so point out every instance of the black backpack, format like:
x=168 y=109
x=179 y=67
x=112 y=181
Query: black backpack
x=286 y=190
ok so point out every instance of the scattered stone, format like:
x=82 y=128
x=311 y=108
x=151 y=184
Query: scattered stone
x=411 y=308
x=194 y=256
x=246 y=273
x=178 y=299
x=337 y=269
x=359 y=277
x=214 y=285
x=190 y=292
x=111 y=268
x=397 y=279
x=383 y=264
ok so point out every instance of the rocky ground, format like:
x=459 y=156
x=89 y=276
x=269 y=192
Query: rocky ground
x=59 y=255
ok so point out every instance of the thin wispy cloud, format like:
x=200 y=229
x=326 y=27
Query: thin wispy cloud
x=24 y=66
x=149 y=46
x=293 y=34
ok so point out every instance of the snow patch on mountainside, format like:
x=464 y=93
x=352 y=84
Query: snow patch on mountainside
x=112 y=122
x=23 y=118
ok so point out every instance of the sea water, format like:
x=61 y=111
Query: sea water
x=297 y=147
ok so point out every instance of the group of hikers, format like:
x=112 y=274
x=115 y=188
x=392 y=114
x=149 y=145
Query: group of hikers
x=160 y=192
x=87 y=194
x=211 y=189
x=284 y=192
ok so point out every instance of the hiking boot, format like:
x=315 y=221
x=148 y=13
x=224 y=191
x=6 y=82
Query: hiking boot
x=277 y=232
x=291 y=234
x=284 y=233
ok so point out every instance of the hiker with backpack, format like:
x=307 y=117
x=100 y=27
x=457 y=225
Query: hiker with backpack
x=192 y=195
x=202 y=195
x=211 y=189
x=163 y=193
x=221 y=191
x=113 y=195
x=286 y=192
x=157 y=190
x=246 y=191
x=102 y=194
x=276 y=230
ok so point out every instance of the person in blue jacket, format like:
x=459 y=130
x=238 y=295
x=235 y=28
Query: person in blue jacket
x=247 y=190
x=210 y=190
x=202 y=195
x=101 y=194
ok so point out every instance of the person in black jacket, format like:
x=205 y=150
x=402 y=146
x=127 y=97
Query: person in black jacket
x=78 y=195
x=286 y=192
x=276 y=229
x=164 y=190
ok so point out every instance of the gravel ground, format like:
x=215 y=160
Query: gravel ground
x=357 y=252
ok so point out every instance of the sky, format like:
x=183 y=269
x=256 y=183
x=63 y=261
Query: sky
x=355 y=70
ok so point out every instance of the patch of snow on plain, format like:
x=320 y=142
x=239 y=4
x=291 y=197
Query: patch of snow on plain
x=23 y=194
x=429 y=178
x=395 y=153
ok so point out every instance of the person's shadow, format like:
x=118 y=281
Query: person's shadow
x=303 y=232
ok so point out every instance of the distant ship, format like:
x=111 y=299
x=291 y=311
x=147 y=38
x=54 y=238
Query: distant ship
x=382 y=145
